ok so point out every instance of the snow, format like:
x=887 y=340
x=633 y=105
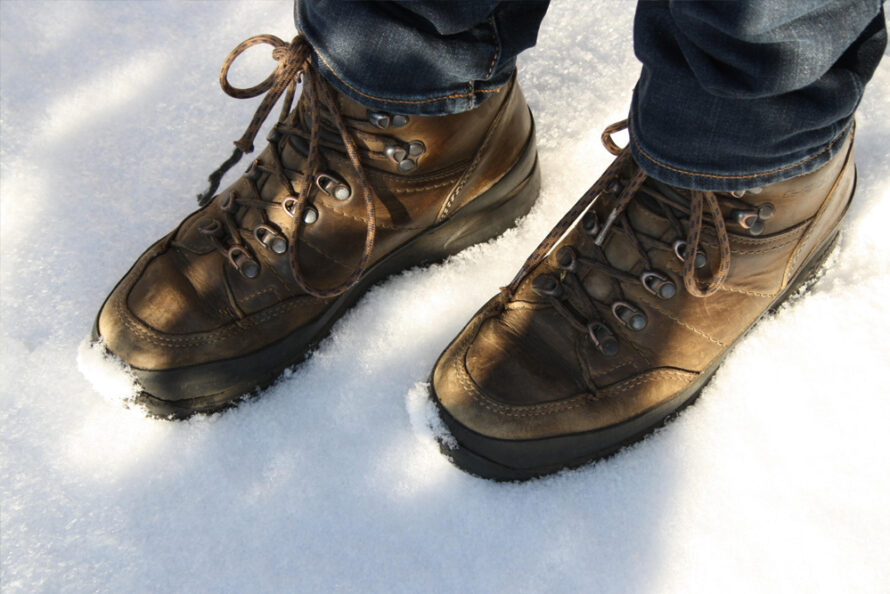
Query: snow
x=776 y=480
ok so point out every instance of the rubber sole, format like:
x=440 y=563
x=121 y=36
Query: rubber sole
x=520 y=460
x=182 y=392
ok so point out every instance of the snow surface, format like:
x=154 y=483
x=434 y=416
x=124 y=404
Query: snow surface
x=775 y=481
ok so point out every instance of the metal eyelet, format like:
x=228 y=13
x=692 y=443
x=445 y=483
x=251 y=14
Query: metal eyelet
x=748 y=220
x=766 y=211
x=658 y=284
x=227 y=203
x=385 y=120
x=680 y=246
x=405 y=157
x=602 y=338
x=395 y=152
x=567 y=258
x=740 y=193
x=591 y=223
x=629 y=315
x=267 y=236
x=379 y=119
x=243 y=262
x=547 y=285
x=289 y=205
x=745 y=218
x=752 y=219
x=310 y=215
x=333 y=187
x=253 y=172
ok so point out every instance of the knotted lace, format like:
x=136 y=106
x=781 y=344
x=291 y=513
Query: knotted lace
x=293 y=67
x=630 y=190
x=625 y=182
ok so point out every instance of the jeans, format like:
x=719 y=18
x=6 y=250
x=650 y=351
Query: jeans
x=731 y=96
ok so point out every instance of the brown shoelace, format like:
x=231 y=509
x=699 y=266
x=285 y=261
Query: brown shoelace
x=293 y=67
x=628 y=191
x=626 y=182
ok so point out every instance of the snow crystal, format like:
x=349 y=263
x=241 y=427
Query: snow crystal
x=425 y=419
x=108 y=375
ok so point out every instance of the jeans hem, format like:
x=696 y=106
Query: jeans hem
x=445 y=103
x=696 y=180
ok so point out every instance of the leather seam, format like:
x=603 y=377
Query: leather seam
x=642 y=379
x=463 y=377
x=379 y=225
x=184 y=264
x=189 y=342
x=422 y=188
x=685 y=325
x=510 y=411
x=477 y=159
x=790 y=239
x=792 y=266
x=497 y=47
x=747 y=292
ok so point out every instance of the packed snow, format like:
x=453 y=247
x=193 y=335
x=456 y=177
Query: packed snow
x=775 y=481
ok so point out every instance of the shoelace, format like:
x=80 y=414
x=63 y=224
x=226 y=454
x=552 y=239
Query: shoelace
x=567 y=294
x=293 y=67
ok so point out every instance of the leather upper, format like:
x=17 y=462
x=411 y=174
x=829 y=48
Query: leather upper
x=185 y=303
x=521 y=370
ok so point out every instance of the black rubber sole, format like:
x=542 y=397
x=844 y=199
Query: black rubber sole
x=520 y=460
x=212 y=387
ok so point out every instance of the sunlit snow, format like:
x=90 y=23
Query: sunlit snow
x=776 y=480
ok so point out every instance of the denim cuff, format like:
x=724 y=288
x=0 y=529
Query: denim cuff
x=735 y=175
x=734 y=96
x=429 y=101
x=398 y=58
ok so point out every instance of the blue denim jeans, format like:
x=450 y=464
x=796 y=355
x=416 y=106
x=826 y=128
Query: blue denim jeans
x=731 y=96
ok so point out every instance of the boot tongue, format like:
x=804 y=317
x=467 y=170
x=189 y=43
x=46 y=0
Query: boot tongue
x=646 y=219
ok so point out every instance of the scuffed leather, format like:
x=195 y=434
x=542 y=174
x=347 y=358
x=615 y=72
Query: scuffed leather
x=183 y=304
x=519 y=370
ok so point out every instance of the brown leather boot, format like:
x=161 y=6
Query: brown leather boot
x=341 y=198
x=605 y=334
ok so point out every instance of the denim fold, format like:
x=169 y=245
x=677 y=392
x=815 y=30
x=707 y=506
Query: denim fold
x=731 y=95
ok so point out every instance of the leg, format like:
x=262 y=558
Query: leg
x=423 y=58
x=736 y=95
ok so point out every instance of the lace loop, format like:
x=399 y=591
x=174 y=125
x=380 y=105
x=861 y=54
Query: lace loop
x=695 y=227
x=606 y=137
x=291 y=60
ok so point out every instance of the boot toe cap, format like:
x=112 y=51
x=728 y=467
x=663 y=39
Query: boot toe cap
x=151 y=314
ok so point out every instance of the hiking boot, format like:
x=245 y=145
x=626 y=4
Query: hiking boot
x=341 y=198
x=605 y=334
